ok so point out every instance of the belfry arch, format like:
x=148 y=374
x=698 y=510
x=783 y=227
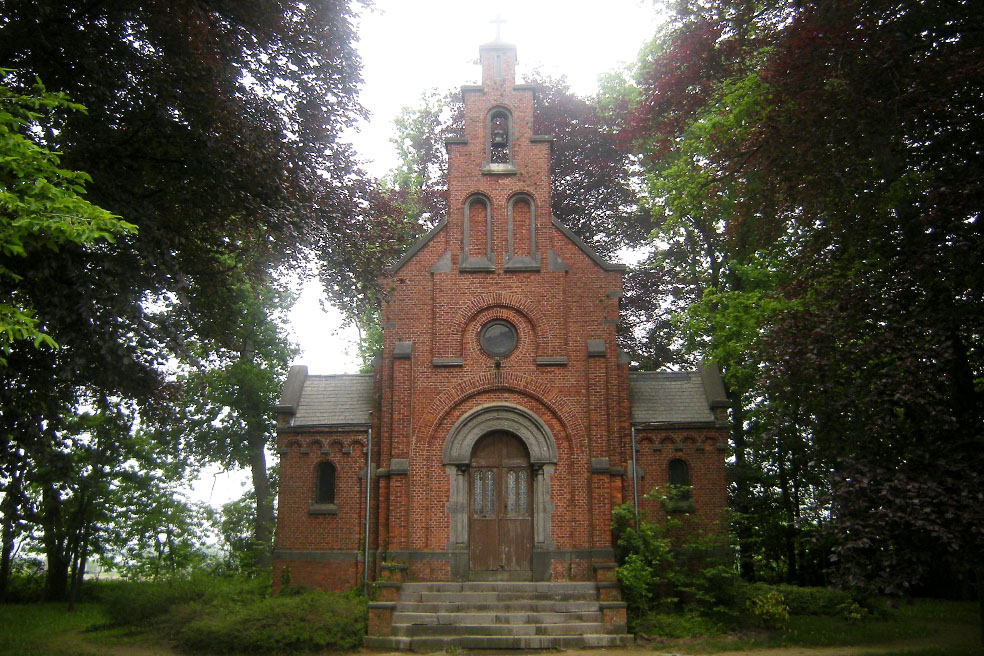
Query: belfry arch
x=458 y=446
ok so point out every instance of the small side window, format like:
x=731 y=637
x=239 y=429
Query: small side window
x=324 y=486
x=679 y=472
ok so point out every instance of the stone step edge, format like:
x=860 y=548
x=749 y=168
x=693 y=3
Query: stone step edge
x=432 y=643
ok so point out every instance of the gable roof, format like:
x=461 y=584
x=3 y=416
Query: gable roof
x=336 y=400
x=663 y=397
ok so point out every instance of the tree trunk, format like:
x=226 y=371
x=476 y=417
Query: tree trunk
x=789 y=530
x=263 y=523
x=78 y=573
x=740 y=479
x=8 y=508
x=56 y=576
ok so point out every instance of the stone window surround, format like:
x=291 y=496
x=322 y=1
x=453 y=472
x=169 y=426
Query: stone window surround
x=468 y=263
x=529 y=262
x=488 y=167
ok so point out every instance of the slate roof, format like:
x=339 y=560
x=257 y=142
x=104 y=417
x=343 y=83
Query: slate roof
x=341 y=400
x=658 y=397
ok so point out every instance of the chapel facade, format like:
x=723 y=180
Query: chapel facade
x=500 y=420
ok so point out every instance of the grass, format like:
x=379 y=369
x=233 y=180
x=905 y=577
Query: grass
x=924 y=628
x=47 y=629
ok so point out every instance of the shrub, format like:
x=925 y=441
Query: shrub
x=670 y=566
x=139 y=602
x=284 y=624
x=808 y=600
x=769 y=610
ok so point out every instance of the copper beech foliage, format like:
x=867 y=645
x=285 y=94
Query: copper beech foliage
x=839 y=144
x=214 y=128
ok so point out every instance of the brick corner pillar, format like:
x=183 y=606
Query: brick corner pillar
x=399 y=464
x=601 y=469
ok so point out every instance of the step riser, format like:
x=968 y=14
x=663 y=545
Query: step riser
x=430 y=644
x=563 y=587
x=495 y=618
x=414 y=630
x=506 y=606
x=494 y=597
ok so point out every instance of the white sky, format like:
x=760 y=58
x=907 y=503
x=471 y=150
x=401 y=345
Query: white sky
x=411 y=46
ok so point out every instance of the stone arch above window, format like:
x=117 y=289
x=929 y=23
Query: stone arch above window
x=476 y=247
x=521 y=221
x=499 y=142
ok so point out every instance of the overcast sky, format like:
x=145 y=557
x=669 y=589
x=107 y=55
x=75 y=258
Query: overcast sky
x=411 y=46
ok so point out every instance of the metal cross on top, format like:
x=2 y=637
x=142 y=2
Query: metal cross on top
x=498 y=21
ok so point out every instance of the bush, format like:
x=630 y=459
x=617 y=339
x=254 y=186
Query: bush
x=139 y=602
x=671 y=567
x=808 y=600
x=286 y=624
x=769 y=610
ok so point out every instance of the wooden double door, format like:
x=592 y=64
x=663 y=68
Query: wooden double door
x=500 y=500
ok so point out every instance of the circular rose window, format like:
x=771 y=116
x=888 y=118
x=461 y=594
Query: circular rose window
x=497 y=338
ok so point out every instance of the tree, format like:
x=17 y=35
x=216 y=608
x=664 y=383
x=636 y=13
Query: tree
x=212 y=128
x=238 y=362
x=857 y=197
x=41 y=204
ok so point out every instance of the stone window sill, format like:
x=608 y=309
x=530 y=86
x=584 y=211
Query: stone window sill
x=323 y=509
x=499 y=169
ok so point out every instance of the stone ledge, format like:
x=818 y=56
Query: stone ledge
x=323 y=509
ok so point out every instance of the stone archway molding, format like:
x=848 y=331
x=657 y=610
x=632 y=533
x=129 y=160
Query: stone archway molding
x=457 y=455
x=500 y=417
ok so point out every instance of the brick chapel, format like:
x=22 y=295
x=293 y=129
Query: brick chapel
x=500 y=419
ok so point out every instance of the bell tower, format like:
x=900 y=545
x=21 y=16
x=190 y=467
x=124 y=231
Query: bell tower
x=499 y=172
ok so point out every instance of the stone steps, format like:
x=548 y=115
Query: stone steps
x=441 y=643
x=497 y=615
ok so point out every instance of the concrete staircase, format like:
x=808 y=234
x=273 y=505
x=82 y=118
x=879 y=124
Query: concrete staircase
x=432 y=617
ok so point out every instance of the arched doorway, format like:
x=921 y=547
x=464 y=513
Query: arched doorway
x=500 y=505
x=459 y=446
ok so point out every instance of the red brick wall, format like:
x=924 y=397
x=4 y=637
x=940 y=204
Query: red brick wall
x=584 y=402
x=702 y=450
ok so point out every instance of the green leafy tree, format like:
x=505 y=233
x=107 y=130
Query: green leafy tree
x=215 y=129
x=238 y=363
x=41 y=204
x=835 y=163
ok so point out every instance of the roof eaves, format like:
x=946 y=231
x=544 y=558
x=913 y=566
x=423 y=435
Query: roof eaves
x=419 y=244
x=597 y=259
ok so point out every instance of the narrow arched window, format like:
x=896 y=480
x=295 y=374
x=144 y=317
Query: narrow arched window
x=324 y=486
x=499 y=137
x=679 y=472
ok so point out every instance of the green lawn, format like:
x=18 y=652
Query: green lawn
x=924 y=628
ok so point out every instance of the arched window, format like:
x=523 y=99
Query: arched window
x=499 y=137
x=679 y=498
x=679 y=472
x=498 y=143
x=324 y=485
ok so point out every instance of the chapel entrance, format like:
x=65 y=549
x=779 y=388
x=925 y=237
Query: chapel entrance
x=500 y=531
